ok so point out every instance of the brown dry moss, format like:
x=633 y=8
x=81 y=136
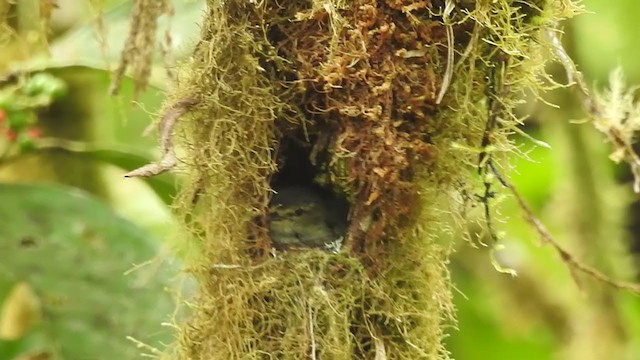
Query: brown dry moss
x=358 y=86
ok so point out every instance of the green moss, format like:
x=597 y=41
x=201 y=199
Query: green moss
x=358 y=84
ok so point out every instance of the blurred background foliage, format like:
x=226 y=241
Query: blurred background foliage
x=74 y=233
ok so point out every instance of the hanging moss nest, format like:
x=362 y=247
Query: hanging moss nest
x=384 y=104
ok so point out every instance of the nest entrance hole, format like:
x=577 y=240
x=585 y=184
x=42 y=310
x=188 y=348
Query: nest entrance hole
x=302 y=213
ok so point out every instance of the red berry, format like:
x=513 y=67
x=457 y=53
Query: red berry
x=3 y=115
x=11 y=135
x=34 y=133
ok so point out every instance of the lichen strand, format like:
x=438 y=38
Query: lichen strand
x=140 y=45
x=355 y=83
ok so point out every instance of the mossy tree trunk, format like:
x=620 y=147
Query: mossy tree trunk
x=393 y=106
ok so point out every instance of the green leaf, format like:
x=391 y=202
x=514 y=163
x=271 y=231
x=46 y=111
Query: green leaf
x=164 y=185
x=126 y=158
x=18 y=120
x=44 y=84
x=75 y=253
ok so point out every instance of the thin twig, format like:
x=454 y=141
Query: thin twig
x=546 y=237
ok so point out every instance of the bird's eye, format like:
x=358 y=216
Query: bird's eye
x=298 y=212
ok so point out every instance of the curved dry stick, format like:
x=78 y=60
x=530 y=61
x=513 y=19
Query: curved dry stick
x=168 y=160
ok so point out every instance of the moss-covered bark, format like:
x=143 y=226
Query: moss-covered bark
x=396 y=106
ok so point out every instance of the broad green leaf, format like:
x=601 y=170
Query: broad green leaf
x=123 y=157
x=77 y=255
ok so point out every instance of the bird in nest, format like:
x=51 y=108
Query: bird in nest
x=306 y=217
